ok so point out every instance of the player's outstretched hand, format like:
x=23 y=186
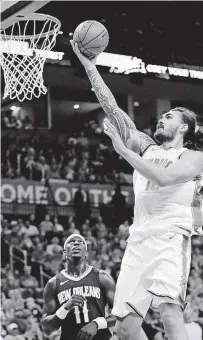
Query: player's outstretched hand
x=88 y=331
x=87 y=63
x=110 y=130
x=75 y=300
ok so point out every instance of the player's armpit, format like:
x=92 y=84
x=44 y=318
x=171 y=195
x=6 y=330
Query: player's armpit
x=187 y=168
x=50 y=322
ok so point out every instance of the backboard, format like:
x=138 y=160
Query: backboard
x=10 y=10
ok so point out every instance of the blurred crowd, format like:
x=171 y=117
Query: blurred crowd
x=42 y=242
x=74 y=158
x=11 y=120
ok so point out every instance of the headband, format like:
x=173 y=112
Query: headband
x=72 y=236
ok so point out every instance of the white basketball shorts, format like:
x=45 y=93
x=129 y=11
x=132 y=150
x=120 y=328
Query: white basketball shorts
x=153 y=271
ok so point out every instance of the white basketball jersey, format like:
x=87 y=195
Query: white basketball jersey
x=162 y=209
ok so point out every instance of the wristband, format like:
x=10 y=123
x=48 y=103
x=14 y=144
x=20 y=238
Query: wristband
x=61 y=313
x=101 y=322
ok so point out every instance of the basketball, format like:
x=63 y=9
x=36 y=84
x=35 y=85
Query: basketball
x=92 y=38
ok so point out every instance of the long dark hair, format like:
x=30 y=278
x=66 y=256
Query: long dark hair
x=193 y=138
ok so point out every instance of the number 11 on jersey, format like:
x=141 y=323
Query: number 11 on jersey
x=78 y=312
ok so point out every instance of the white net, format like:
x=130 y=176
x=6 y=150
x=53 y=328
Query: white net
x=23 y=51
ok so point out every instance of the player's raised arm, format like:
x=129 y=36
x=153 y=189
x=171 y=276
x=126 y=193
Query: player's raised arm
x=132 y=138
x=53 y=317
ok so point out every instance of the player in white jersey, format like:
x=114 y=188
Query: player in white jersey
x=168 y=210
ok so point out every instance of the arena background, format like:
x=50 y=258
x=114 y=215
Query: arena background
x=59 y=172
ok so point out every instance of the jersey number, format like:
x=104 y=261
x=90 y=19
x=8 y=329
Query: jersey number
x=78 y=311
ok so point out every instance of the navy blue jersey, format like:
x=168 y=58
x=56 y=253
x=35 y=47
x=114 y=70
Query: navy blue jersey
x=88 y=285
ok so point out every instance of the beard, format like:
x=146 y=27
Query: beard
x=160 y=137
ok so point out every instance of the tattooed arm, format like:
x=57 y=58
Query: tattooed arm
x=132 y=138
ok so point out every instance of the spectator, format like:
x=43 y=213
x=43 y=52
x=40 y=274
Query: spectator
x=54 y=248
x=6 y=228
x=10 y=283
x=46 y=226
x=16 y=235
x=38 y=254
x=36 y=241
x=42 y=169
x=10 y=121
x=33 y=220
x=101 y=246
x=124 y=229
x=82 y=140
x=82 y=173
x=123 y=244
x=116 y=270
x=195 y=281
x=20 y=318
x=85 y=227
x=118 y=203
x=68 y=171
x=72 y=141
x=57 y=227
x=91 y=239
x=55 y=170
x=26 y=243
x=27 y=280
x=33 y=331
x=79 y=201
x=100 y=228
x=80 y=197
x=14 y=332
x=91 y=251
x=118 y=199
x=30 y=230
x=24 y=158
x=21 y=224
x=116 y=255
x=71 y=230
x=27 y=123
x=35 y=309
x=28 y=164
x=7 y=311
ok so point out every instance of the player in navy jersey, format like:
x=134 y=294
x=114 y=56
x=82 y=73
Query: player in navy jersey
x=75 y=299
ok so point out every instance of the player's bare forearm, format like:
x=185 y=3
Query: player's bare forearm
x=111 y=320
x=50 y=323
x=116 y=115
x=151 y=171
x=189 y=166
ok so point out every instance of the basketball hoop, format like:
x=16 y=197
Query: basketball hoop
x=24 y=48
